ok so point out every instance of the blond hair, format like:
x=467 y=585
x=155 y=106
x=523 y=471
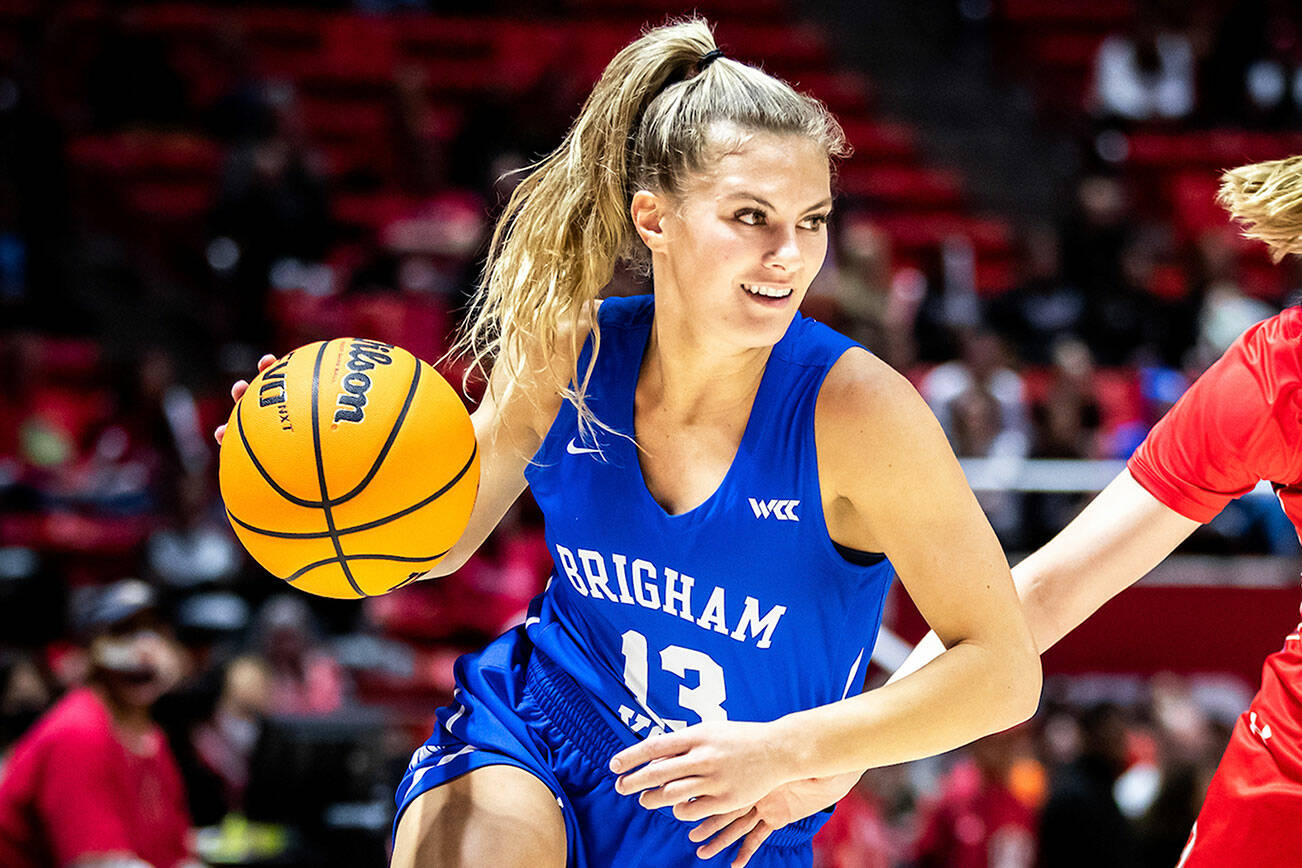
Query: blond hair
x=1266 y=198
x=646 y=125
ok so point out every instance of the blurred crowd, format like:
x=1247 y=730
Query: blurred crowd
x=166 y=216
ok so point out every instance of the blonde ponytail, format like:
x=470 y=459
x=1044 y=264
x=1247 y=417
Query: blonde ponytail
x=566 y=226
x=1266 y=198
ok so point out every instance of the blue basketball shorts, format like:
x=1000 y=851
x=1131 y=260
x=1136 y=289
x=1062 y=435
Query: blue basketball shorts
x=515 y=707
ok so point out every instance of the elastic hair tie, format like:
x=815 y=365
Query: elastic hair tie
x=708 y=58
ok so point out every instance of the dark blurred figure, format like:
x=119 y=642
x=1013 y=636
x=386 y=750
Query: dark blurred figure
x=34 y=217
x=224 y=742
x=1252 y=73
x=1095 y=233
x=977 y=821
x=25 y=694
x=94 y=778
x=1043 y=308
x=305 y=679
x=1081 y=825
x=272 y=218
x=131 y=82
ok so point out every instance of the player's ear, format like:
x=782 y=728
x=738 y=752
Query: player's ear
x=648 y=211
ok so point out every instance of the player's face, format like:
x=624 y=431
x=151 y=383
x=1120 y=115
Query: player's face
x=743 y=241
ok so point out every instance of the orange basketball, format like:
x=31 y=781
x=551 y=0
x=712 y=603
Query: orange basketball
x=349 y=467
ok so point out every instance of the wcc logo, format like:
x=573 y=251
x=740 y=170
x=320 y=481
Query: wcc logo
x=782 y=510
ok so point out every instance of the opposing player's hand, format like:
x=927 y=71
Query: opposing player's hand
x=752 y=826
x=704 y=770
x=240 y=387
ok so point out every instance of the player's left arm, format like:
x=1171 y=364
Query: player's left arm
x=896 y=488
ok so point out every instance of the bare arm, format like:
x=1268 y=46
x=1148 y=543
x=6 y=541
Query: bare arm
x=1120 y=536
x=901 y=491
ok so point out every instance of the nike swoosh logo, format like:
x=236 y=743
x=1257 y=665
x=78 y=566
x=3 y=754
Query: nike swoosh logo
x=577 y=450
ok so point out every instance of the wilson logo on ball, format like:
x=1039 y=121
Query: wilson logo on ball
x=362 y=356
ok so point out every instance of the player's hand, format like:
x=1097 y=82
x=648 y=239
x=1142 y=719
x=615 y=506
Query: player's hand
x=704 y=770
x=240 y=387
x=752 y=825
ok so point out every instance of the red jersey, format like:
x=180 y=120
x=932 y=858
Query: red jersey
x=71 y=790
x=1240 y=423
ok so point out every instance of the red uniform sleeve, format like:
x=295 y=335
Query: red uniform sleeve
x=82 y=801
x=1238 y=424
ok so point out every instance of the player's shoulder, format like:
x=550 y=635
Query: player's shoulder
x=1276 y=341
x=863 y=399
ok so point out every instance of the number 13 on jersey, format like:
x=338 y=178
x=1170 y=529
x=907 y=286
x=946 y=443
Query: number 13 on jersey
x=706 y=698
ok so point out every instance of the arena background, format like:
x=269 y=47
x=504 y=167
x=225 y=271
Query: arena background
x=1026 y=228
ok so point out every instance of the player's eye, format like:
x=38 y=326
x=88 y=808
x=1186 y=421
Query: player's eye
x=751 y=217
x=815 y=221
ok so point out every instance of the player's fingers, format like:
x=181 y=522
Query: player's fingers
x=238 y=389
x=219 y=433
x=655 y=747
x=751 y=844
x=701 y=807
x=674 y=793
x=655 y=774
x=729 y=835
x=266 y=361
x=710 y=825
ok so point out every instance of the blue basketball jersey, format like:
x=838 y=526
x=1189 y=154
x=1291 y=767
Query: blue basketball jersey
x=742 y=608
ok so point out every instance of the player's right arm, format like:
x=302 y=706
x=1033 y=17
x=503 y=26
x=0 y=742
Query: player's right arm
x=510 y=423
x=1234 y=426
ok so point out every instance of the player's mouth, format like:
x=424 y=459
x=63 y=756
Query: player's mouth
x=768 y=293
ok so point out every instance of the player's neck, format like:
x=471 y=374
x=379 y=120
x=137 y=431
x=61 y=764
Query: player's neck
x=690 y=378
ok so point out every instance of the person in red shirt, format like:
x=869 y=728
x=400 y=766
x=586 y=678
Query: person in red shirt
x=978 y=821
x=93 y=782
x=1239 y=423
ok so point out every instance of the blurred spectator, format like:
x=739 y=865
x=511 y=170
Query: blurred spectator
x=272 y=211
x=305 y=678
x=1068 y=418
x=1081 y=824
x=25 y=694
x=196 y=547
x=1252 y=73
x=981 y=403
x=1227 y=310
x=1043 y=308
x=94 y=778
x=225 y=742
x=863 y=273
x=131 y=81
x=977 y=821
x=856 y=836
x=1146 y=74
x=1095 y=233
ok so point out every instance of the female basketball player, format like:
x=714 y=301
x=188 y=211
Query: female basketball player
x=1241 y=422
x=723 y=484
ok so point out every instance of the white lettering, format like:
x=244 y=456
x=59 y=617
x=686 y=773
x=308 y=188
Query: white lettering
x=750 y=619
x=647 y=594
x=713 y=617
x=594 y=567
x=571 y=569
x=683 y=596
x=621 y=563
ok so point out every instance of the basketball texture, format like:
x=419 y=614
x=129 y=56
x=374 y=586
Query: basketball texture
x=348 y=468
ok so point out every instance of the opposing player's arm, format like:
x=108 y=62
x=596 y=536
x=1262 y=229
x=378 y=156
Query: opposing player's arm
x=896 y=487
x=1114 y=542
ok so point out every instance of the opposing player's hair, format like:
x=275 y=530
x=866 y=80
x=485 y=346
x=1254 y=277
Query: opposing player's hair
x=1266 y=198
x=657 y=115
